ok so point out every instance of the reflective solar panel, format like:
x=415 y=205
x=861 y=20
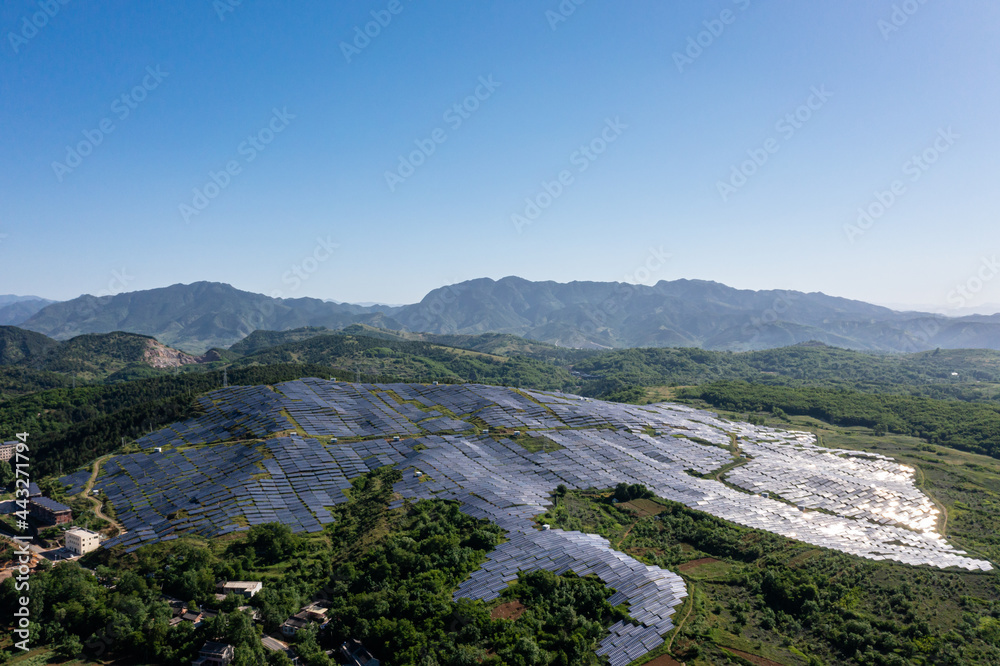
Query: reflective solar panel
x=864 y=504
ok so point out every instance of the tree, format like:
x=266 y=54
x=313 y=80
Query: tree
x=275 y=606
x=6 y=474
x=106 y=575
x=50 y=533
x=278 y=658
x=230 y=603
x=245 y=656
x=131 y=583
x=625 y=492
x=272 y=542
x=70 y=646
x=524 y=652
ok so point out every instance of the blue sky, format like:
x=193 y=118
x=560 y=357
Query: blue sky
x=739 y=138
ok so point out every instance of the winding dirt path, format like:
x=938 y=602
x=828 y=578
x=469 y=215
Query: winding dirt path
x=98 y=504
x=680 y=625
x=625 y=536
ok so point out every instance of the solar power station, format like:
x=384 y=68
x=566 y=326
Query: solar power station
x=261 y=454
x=76 y=481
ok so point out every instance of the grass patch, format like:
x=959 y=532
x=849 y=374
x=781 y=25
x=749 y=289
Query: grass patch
x=537 y=443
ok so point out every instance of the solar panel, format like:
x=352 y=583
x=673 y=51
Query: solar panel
x=870 y=504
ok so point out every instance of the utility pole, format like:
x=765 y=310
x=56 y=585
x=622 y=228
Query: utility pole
x=225 y=378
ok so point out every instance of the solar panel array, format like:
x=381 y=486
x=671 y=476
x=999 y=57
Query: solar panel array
x=191 y=490
x=871 y=506
x=238 y=412
x=653 y=593
x=218 y=489
x=848 y=483
x=76 y=481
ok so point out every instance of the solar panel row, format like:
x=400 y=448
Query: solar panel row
x=872 y=506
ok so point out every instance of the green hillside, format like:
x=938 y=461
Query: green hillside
x=93 y=357
x=407 y=360
x=72 y=426
x=927 y=373
x=752 y=594
x=15 y=381
x=21 y=347
x=261 y=339
x=501 y=344
x=119 y=395
x=98 y=355
x=965 y=426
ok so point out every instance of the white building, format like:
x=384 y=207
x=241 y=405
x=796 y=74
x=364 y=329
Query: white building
x=80 y=541
x=246 y=588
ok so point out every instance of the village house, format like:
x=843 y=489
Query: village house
x=214 y=654
x=245 y=588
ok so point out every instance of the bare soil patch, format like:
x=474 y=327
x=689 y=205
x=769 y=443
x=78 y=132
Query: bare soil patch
x=694 y=564
x=643 y=507
x=510 y=610
x=159 y=355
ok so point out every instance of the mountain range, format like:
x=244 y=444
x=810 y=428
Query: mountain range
x=587 y=315
x=15 y=309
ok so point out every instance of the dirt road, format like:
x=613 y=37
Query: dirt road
x=98 y=505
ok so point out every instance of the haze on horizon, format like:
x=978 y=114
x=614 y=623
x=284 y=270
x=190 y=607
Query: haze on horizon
x=849 y=148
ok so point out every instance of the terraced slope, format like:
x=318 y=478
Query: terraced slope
x=262 y=454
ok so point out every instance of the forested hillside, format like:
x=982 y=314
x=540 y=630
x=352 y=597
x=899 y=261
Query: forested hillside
x=557 y=619
x=965 y=426
x=94 y=357
x=413 y=361
x=945 y=372
x=488 y=343
x=22 y=347
x=943 y=396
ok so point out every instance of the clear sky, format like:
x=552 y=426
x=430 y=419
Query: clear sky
x=276 y=147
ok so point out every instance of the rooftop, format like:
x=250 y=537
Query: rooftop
x=50 y=504
x=214 y=648
x=241 y=583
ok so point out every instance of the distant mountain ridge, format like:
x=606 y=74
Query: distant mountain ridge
x=195 y=317
x=16 y=309
x=594 y=315
x=7 y=299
